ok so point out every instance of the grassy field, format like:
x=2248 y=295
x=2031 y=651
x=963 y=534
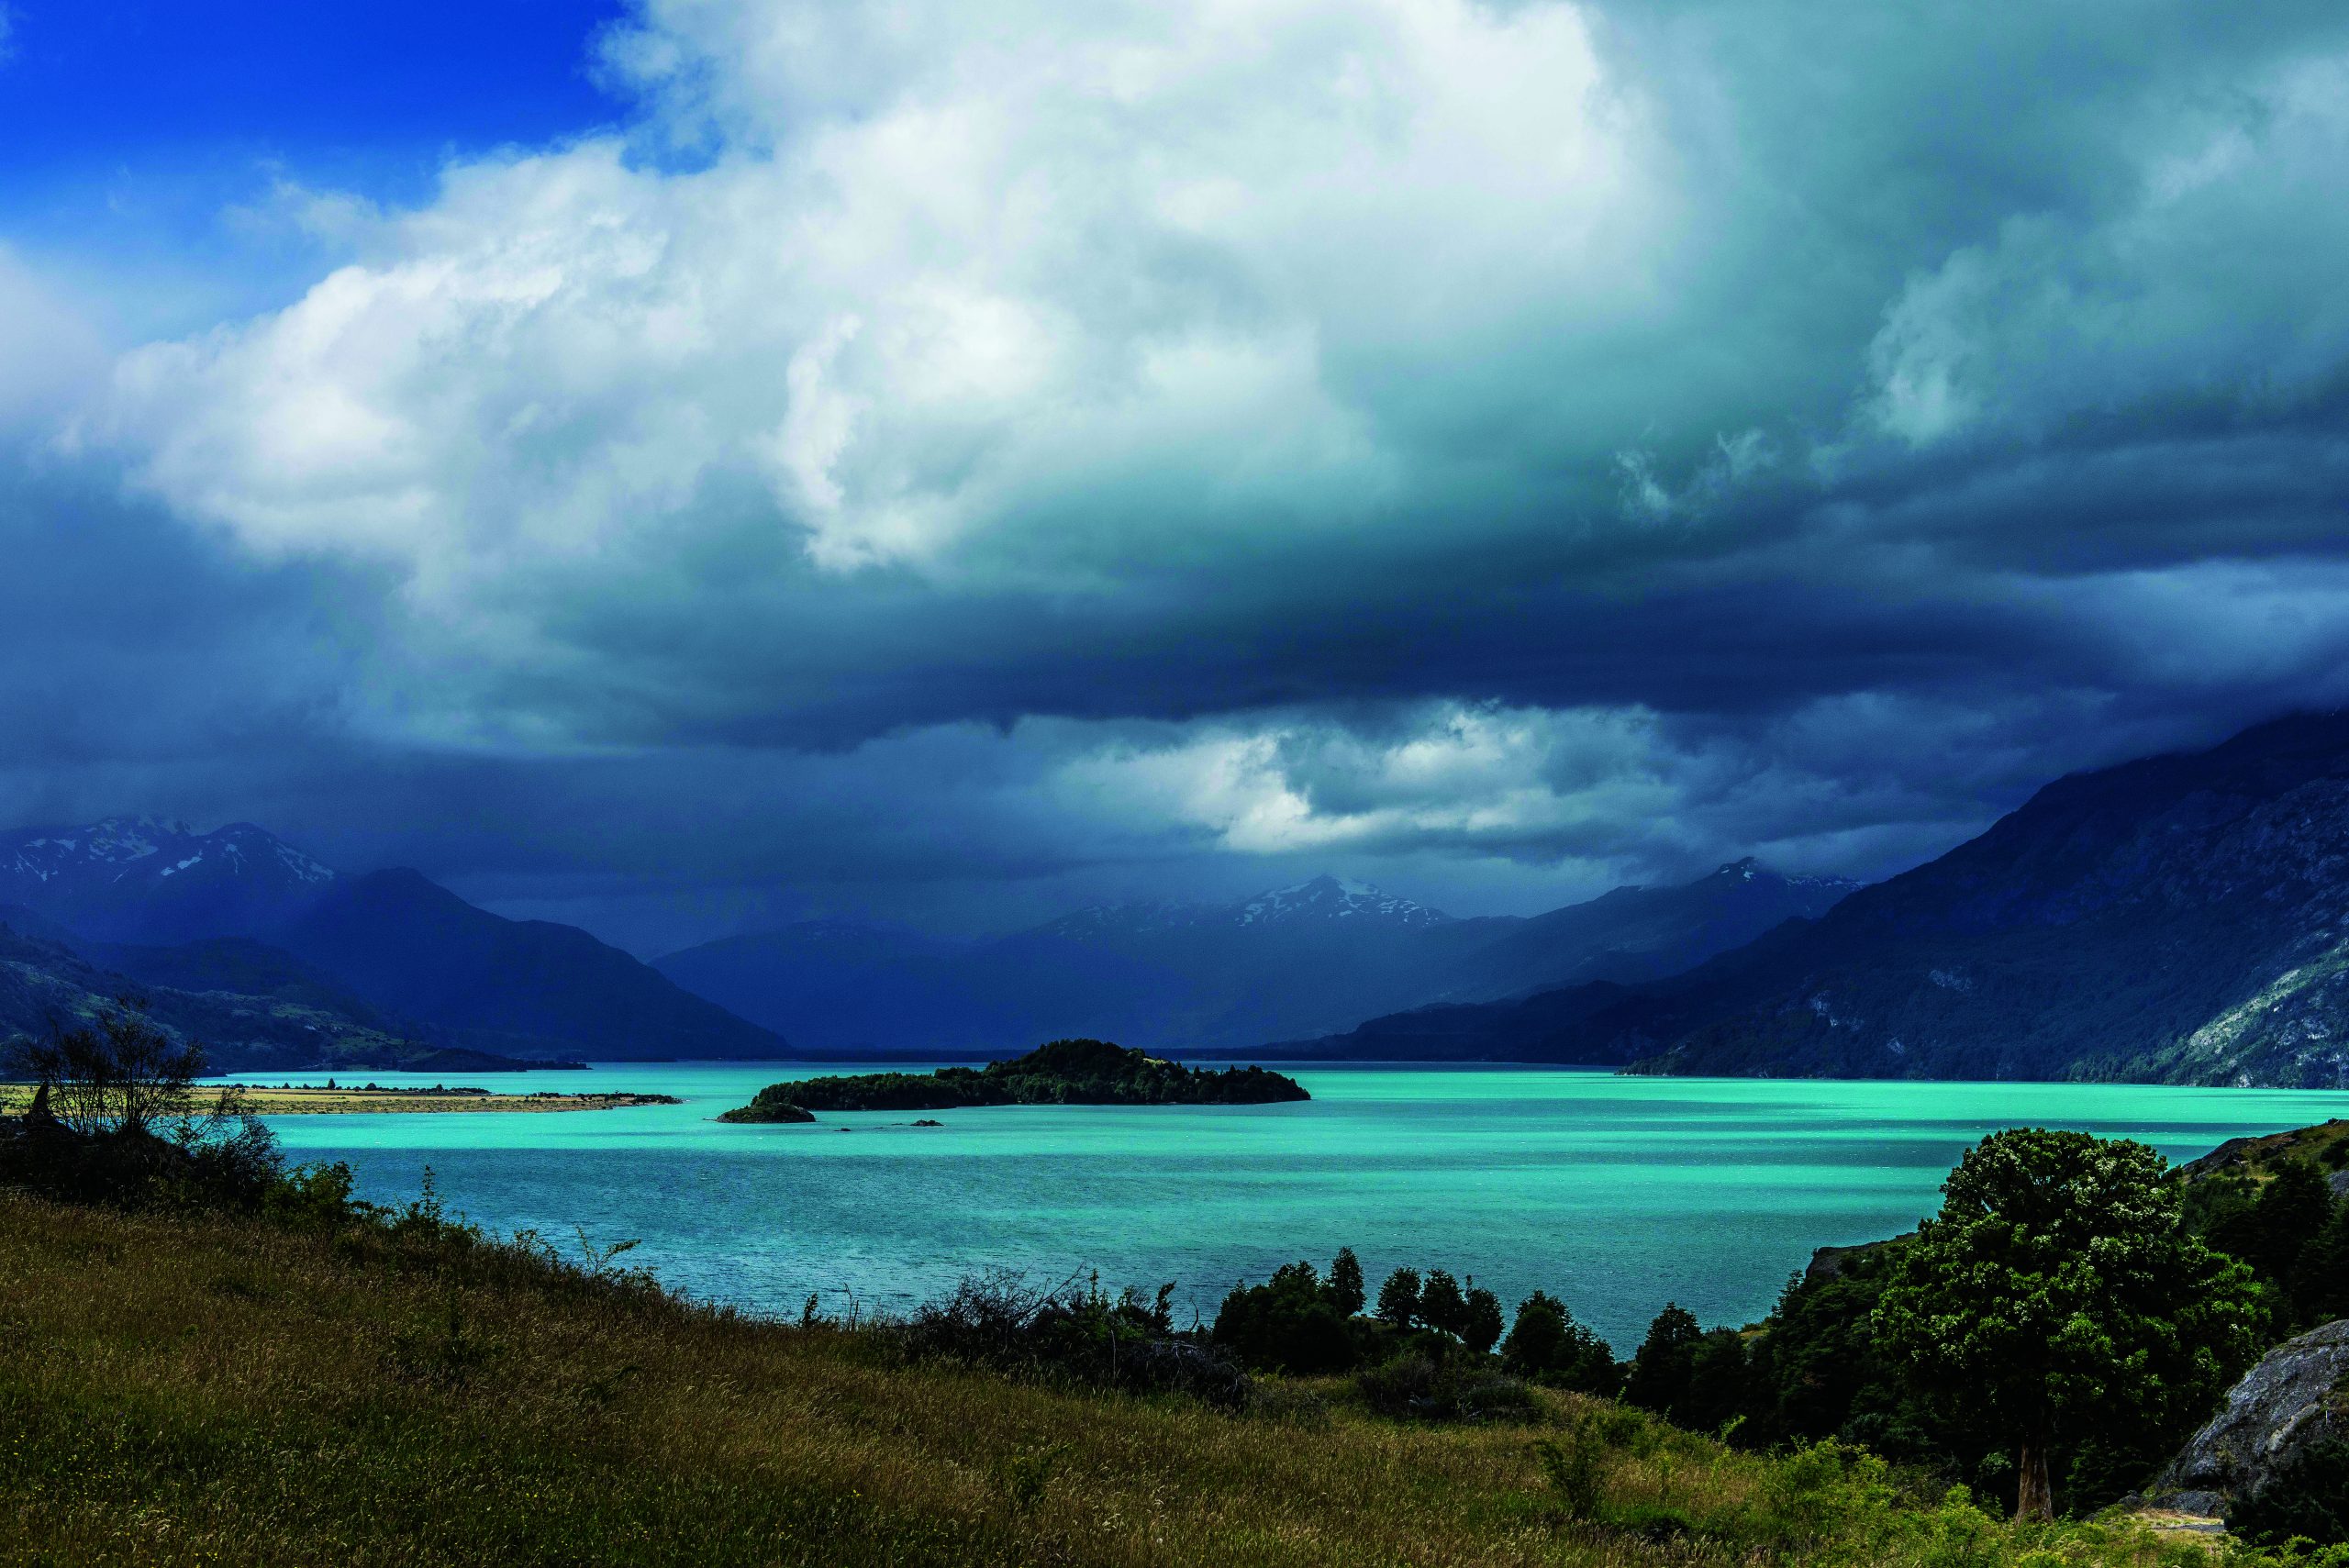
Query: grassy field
x=263 y=1100
x=190 y=1389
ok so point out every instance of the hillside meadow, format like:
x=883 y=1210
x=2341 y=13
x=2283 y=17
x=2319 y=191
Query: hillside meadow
x=182 y=1387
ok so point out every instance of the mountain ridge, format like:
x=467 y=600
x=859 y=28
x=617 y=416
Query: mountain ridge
x=2183 y=917
x=403 y=958
x=1204 y=978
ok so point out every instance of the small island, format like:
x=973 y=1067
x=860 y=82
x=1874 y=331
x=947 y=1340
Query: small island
x=1064 y=1073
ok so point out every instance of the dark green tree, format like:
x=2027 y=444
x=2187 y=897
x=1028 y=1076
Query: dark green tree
x=1666 y=1359
x=1288 y=1324
x=1718 y=1391
x=1537 y=1338
x=1546 y=1345
x=2284 y=1217
x=1345 y=1282
x=2321 y=1275
x=2057 y=1296
x=1480 y=1317
x=1398 y=1298
x=1441 y=1306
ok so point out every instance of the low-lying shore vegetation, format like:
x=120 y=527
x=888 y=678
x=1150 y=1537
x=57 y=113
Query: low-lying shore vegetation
x=370 y=1099
x=1062 y=1073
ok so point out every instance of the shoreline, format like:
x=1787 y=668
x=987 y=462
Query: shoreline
x=318 y=1100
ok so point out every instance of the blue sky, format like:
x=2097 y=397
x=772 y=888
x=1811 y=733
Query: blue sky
x=135 y=133
x=693 y=463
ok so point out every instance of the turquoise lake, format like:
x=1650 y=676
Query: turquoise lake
x=1615 y=1193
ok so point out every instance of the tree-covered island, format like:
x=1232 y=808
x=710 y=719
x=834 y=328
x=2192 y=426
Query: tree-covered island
x=1062 y=1073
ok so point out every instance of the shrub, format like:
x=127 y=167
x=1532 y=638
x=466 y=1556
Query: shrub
x=1075 y=1334
x=1416 y=1385
x=2306 y=1497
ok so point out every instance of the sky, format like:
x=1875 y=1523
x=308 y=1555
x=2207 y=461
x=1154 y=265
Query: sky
x=683 y=465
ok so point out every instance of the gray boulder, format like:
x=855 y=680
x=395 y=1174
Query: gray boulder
x=2285 y=1404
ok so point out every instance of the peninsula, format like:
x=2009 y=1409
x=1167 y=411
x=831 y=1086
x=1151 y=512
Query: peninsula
x=1064 y=1073
x=304 y=1099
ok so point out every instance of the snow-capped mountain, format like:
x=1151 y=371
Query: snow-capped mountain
x=147 y=879
x=1323 y=899
x=1335 y=898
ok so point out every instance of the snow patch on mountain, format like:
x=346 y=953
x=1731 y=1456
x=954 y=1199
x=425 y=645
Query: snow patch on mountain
x=1335 y=898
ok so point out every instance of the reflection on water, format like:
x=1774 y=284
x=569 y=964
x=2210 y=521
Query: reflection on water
x=1617 y=1194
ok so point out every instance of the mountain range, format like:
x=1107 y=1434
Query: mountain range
x=2181 y=919
x=275 y=959
x=1216 y=978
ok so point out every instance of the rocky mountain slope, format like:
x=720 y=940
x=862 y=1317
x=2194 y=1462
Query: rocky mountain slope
x=2183 y=918
x=252 y=1007
x=1312 y=957
x=239 y=914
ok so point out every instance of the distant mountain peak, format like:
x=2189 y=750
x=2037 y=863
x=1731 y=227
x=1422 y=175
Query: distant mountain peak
x=151 y=878
x=1335 y=898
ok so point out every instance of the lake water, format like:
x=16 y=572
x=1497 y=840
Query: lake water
x=1615 y=1193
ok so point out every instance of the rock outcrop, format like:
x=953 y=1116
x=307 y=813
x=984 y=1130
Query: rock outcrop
x=2284 y=1405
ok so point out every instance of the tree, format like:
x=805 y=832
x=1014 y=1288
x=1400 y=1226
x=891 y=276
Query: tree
x=1398 y=1298
x=2057 y=1296
x=1289 y=1323
x=1537 y=1339
x=1720 y=1378
x=2321 y=1277
x=1547 y=1345
x=1480 y=1317
x=2269 y=1233
x=121 y=1073
x=1345 y=1285
x=1666 y=1359
x=1441 y=1306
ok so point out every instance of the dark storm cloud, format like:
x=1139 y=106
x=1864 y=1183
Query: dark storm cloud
x=1509 y=448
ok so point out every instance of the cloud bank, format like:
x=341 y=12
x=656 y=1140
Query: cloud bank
x=1516 y=445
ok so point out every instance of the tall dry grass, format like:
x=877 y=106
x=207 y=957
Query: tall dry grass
x=190 y=1389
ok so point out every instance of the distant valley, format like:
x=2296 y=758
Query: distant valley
x=1203 y=979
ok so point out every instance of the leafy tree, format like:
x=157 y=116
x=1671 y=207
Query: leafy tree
x=1546 y=1345
x=2056 y=1295
x=1291 y=1323
x=1345 y=1282
x=1398 y=1298
x=1480 y=1317
x=121 y=1073
x=1441 y=1306
x=1666 y=1359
